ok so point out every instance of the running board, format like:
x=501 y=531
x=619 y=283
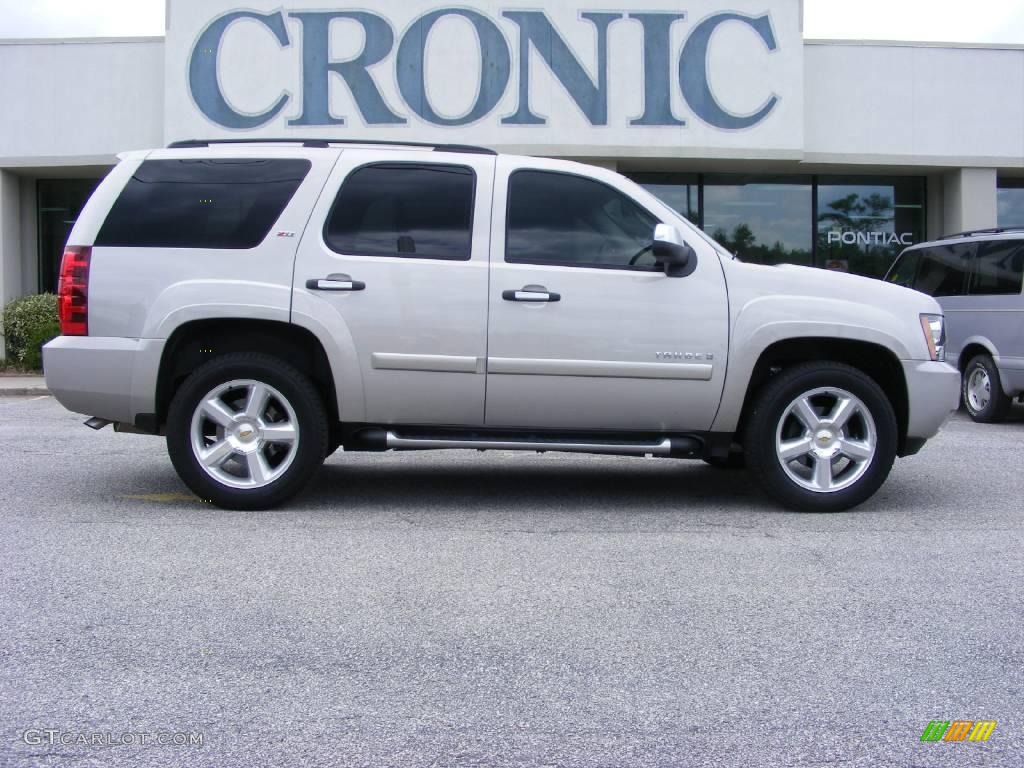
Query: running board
x=682 y=447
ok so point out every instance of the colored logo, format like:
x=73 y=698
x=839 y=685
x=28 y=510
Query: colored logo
x=958 y=730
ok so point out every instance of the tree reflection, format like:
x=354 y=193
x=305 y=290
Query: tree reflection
x=868 y=218
x=743 y=243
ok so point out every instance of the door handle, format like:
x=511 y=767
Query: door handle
x=535 y=294
x=339 y=283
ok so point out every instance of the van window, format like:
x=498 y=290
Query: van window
x=904 y=271
x=403 y=209
x=230 y=204
x=998 y=268
x=570 y=221
x=943 y=269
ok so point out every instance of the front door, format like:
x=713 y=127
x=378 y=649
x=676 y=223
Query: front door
x=398 y=272
x=586 y=331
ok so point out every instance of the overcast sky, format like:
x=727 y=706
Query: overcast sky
x=980 y=21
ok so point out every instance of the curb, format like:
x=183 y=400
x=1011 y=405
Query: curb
x=25 y=392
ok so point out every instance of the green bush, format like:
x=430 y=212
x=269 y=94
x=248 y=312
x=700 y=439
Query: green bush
x=28 y=324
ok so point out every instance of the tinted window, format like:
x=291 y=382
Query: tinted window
x=556 y=218
x=864 y=222
x=904 y=270
x=416 y=211
x=202 y=203
x=943 y=270
x=680 y=191
x=1011 y=203
x=763 y=220
x=998 y=268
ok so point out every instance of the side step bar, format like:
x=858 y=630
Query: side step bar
x=381 y=440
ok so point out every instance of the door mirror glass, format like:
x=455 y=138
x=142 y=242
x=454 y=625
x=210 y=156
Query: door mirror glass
x=672 y=252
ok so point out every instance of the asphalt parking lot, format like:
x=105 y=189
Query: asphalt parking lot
x=463 y=609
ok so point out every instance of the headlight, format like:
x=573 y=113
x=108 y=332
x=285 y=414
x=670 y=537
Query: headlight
x=934 y=327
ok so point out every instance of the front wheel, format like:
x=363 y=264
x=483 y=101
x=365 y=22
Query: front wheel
x=821 y=437
x=982 y=391
x=246 y=431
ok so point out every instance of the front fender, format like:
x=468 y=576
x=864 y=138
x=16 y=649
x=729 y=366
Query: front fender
x=768 y=320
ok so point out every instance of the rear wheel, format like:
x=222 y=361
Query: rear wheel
x=821 y=437
x=983 y=394
x=247 y=431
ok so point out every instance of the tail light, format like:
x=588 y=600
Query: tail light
x=73 y=291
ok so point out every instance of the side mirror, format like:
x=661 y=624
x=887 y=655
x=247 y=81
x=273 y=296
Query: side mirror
x=672 y=252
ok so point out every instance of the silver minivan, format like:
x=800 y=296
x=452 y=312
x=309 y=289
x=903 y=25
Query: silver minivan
x=977 y=278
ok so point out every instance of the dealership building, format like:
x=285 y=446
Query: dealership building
x=829 y=153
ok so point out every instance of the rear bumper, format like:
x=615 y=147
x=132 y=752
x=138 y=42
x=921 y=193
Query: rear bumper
x=933 y=391
x=112 y=378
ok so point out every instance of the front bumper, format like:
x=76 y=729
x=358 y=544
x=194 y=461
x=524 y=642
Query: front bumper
x=112 y=378
x=933 y=393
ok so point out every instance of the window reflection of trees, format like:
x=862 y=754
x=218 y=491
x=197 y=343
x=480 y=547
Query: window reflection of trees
x=743 y=243
x=859 y=214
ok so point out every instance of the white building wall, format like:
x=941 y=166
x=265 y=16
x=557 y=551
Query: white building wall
x=914 y=104
x=10 y=241
x=79 y=102
x=970 y=199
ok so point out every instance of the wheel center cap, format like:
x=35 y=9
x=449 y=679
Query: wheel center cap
x=825 y=442
x=246 y=433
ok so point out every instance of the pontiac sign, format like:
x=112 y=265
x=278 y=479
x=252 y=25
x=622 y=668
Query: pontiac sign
x=615 y=76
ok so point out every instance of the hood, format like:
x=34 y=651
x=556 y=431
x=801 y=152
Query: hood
x=755 y=280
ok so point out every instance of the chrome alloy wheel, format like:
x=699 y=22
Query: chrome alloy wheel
x=245 y=434
x=979 y=389
x=826 y=440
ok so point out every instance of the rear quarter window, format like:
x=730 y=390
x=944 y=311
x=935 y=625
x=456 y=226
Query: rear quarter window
x=219 y=204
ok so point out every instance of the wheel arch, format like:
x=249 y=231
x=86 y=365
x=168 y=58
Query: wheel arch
x=979 y=345
x=199 y=341
x=874 y=360
x=974 y=346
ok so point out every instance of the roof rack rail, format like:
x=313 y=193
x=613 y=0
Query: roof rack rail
x=990 y=231
x=326 y=144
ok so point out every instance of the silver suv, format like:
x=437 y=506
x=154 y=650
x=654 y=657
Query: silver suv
x=264 y=303
x=977 y=277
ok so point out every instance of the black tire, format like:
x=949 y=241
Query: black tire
x=998 y=403
x=769 y=416
x=310 y=447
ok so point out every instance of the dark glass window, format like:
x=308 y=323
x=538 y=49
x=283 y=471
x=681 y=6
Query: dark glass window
x=230 y=204
x=864 y=223
x=681 y=192
x=60 y=203
x=556 y=218
x=904 y=271
x=998 y=268
x=943 y=270
x=763 y=220
x=1010 y=201
x=414 y=211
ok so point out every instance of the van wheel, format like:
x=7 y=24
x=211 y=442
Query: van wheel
x=982 y=391
x=821 y=437
x=246 y=431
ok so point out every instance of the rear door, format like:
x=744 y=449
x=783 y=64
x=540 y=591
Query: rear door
x=395 y=259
